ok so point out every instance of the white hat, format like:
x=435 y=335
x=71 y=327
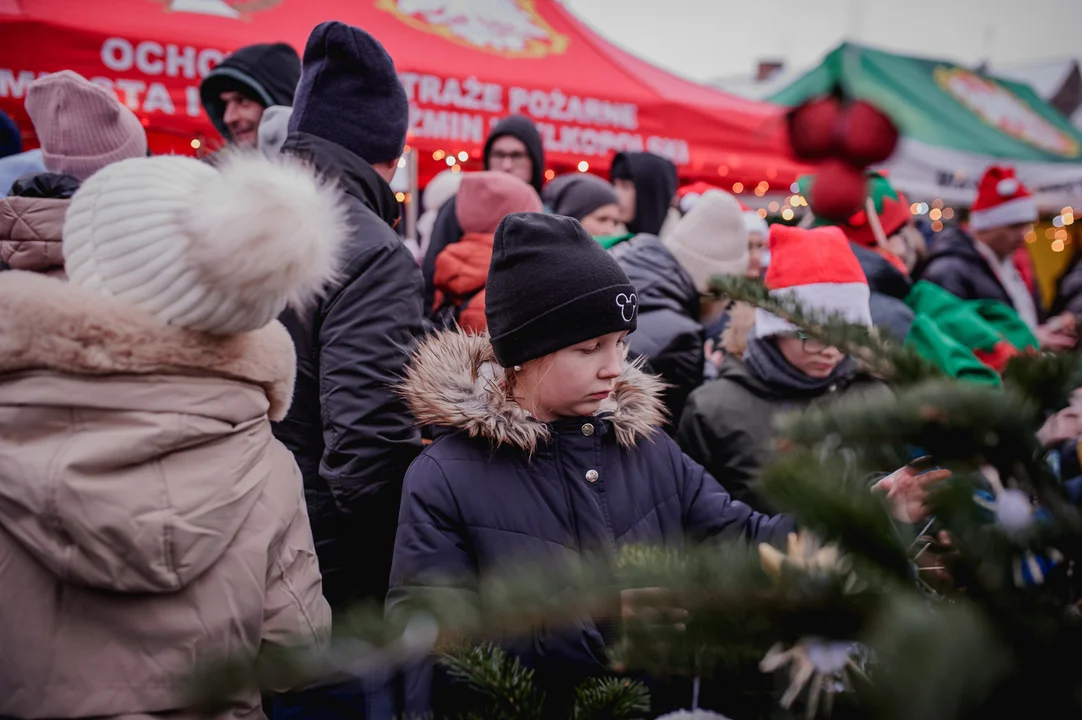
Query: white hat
x=220 y=250
x=711 y=239
x=755 y=223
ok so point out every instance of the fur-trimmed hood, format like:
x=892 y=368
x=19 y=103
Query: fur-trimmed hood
x=48 y=324
x=455 y=382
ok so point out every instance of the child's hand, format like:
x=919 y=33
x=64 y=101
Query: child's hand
x=651 y=606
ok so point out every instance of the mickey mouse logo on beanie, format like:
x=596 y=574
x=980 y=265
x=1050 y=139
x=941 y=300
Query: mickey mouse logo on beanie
x=628 y=304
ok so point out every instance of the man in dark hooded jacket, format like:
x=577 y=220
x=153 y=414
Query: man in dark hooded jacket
x=645 y=184
x=350 y=433
x=514 y=146
x=241 y=87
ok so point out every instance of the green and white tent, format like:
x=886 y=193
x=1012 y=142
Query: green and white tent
x=955 y=122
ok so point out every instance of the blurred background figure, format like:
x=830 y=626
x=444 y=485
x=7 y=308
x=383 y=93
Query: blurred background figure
x=645 y=186
x=514 y=147
x=82 y=128
x=983 y=262
x=14 y=162
x=237 y=91
x=483 y=200
x=439 y=190
x=670 y=277
x=588 y=199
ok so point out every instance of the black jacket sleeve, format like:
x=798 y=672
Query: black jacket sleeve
x=710 y=512
x=364 y=343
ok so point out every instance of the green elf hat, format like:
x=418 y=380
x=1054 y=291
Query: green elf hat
x=891 y=206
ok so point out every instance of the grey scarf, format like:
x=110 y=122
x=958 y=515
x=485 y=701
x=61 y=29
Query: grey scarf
x=765 y=362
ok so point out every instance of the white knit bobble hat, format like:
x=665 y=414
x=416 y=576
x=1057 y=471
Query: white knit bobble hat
x=219 y=250
x=711 y=239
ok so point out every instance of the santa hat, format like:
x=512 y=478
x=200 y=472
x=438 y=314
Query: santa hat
x=1001 y=200
x=818 y=268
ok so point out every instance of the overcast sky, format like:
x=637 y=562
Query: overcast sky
x=705 y=39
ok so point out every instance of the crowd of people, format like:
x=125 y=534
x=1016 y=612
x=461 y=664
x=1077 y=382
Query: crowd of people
x=237 y=403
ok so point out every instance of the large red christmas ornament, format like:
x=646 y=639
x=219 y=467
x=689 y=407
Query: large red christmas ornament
x=838 y=191
x=869 y=136
x=813 y=127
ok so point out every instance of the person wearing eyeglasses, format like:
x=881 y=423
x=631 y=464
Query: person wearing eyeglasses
x=514 y=147
x=728 y=424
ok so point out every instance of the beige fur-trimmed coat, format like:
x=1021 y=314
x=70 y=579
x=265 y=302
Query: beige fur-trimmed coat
x=149 y=521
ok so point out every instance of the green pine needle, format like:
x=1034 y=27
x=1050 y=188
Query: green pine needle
x=610 y=699
x=506 y=686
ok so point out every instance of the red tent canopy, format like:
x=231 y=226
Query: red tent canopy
x=464 y=65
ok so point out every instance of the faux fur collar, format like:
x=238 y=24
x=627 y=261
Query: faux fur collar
x=48 y=324
x=454 y=382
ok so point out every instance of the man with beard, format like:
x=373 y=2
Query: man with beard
x=237 y=91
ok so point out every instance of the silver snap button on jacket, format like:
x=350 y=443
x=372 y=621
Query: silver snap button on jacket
x=587 y=429
x=591 y=476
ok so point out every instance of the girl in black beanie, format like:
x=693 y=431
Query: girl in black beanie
x=553 y=448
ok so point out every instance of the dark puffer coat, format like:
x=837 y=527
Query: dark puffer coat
x=499 y=487
x=955 y=265
x=669 y=334
x=728 y=424
x=350 y=432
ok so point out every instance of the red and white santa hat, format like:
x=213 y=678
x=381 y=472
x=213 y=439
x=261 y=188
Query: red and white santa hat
x=1001 y=200
x=818 y=268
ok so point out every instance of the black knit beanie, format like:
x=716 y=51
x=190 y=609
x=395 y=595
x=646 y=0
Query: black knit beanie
x=577 y=194
x=550 y=286
x=350 y=94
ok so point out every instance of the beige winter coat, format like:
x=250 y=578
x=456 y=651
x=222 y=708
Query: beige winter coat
x=149 y=521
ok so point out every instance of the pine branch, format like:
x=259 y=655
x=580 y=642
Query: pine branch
x=952 y=421
x=834 y=500
x=1047 y=379
x=507 y=686
x=882 y=357
x=610 y=699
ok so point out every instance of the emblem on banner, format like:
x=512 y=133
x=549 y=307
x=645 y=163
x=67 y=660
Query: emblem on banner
x=999 y=107
x=234 y=9
x=511 y=28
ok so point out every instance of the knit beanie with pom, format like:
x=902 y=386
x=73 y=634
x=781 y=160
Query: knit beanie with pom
x=220 y=250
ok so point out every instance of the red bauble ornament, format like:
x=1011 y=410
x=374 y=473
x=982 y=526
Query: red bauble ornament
x=869 y=136
x=838 y=191
x=813 y=128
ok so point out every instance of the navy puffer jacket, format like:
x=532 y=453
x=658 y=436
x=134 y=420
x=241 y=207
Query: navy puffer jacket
x=500 y=487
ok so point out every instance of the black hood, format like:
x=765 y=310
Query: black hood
x=266 y=73
x=881 y=275
x=522 y=128
x=355 y=176
x=660 y=282
x=655 y=184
